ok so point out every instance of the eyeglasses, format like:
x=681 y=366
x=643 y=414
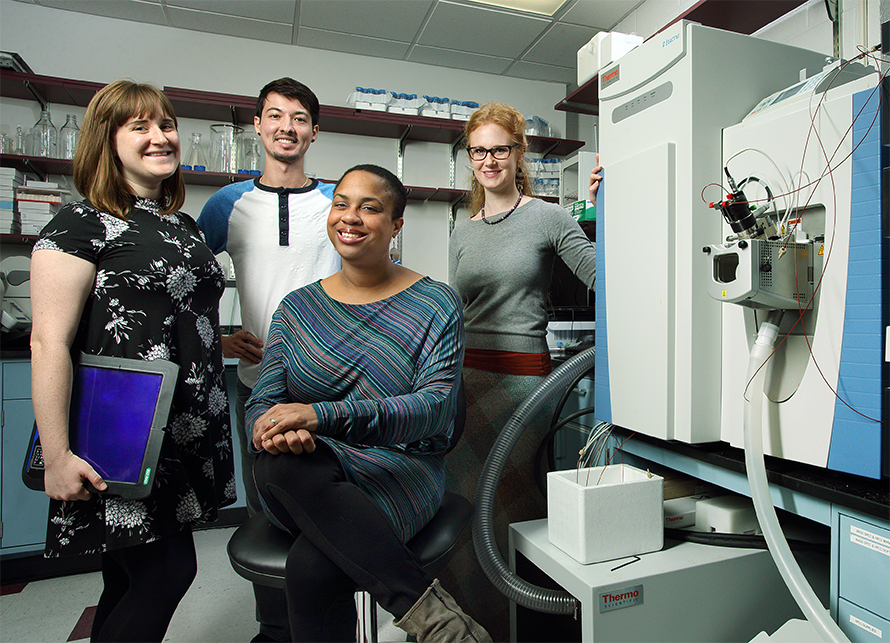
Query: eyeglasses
x=499 y=152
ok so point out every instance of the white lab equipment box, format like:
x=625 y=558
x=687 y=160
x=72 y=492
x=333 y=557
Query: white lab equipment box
x=603 y=513
x=662 y=107
x=603 y=49
x=683 y=592
x=839 y=344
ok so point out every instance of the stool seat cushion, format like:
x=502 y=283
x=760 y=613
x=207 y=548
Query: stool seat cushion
x=258 y=550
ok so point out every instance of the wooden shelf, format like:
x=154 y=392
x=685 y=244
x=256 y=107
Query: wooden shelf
x=14 y=84
x=40 y=165
x=240 y=110
x=43 y=166
x=216 y=179
x=740 y=16
x=232 y=108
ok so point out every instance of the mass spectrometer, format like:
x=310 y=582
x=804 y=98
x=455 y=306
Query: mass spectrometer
x=802 y=233
x=662 y=108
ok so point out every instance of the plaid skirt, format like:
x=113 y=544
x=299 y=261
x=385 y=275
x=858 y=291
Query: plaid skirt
x=491 y=399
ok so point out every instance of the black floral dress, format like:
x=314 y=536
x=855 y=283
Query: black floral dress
x=156 y=296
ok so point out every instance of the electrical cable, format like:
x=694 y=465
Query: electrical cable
x=545 y=447
x=744 y=541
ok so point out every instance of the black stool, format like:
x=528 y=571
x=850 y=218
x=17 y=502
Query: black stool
x=258 y=550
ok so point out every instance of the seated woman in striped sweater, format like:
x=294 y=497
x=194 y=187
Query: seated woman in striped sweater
x=353 y=411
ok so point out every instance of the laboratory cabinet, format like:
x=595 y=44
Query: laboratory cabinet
x=855 y=510
x=863 y=568
x=683 y=592
x=23 y=512
x=574 y=178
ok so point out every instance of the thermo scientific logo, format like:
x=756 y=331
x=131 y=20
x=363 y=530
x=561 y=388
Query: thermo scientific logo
x=617 y=599
x=609 y=77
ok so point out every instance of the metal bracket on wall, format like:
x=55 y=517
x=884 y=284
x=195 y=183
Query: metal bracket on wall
x=36 y=94
x=452 y=213
x=452 y=162
x=30 y=167
x=400 y=158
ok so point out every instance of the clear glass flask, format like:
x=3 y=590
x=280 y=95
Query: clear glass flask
x=68 y=137
x=46 y=136
x=194 y=158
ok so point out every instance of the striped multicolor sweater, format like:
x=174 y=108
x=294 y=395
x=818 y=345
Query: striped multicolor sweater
x=382 y=380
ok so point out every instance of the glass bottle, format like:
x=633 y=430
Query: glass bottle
x=68 y=137
x=46 y=136
x=194 y=157
x=252 y=155
x=18 y=147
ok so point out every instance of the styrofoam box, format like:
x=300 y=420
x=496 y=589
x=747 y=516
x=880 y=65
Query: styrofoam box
x=604 y=48
x=605 y=513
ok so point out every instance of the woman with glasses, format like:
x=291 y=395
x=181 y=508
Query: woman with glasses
x=501 y=260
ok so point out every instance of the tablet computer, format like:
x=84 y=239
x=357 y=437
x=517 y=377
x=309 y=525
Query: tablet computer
x=119 y=408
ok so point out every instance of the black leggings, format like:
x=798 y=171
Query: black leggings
x=143 y=586
x=344 y=542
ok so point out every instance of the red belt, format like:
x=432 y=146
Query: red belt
x=508 y=362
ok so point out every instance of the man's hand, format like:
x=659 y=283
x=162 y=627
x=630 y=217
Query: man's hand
x=243 y=345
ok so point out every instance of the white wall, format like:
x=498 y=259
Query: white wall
x=79 y=46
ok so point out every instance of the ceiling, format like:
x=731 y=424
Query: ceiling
x=462 y=34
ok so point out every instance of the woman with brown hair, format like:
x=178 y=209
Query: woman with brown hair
x=123 y=273
x=500 y=264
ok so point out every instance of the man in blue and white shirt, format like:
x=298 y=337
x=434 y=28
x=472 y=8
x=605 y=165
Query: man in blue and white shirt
x=275 y=231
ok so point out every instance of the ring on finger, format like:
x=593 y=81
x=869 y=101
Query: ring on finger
x=273 y=421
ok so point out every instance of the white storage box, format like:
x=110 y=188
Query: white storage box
x=605 y=513
x=367 y=98
x=679 y=512
x=461 y=109
x=729 y=514
x=436 y=107
x=604 y=48
x=401 y=103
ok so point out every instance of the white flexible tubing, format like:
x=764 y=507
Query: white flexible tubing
x=791 y=573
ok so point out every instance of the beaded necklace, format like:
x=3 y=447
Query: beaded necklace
x=503 y=218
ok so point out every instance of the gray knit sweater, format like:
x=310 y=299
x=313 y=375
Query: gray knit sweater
x=502 y=274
